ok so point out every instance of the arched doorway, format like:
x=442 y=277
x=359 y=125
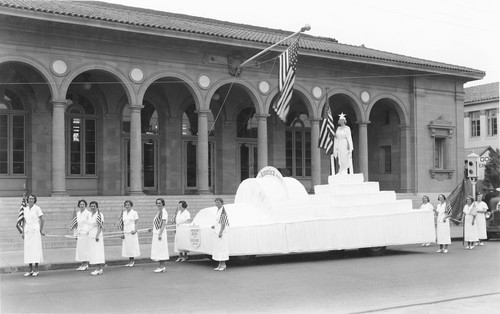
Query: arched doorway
x=384 y=145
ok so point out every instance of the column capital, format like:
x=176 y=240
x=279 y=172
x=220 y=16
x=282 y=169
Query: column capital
x=262 y=115
x=363 y=123
x=61 y=103
x=405 y=127
x=203 y=111
x=315 y=120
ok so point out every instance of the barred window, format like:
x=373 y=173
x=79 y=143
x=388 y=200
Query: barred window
x=492 y=121
x=475 y=124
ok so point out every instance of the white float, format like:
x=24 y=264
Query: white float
x=273 y=214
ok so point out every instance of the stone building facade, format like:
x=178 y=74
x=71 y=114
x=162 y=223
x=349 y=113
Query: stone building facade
x=103 y=99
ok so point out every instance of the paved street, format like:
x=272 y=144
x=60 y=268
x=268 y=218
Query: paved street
x=407 y=279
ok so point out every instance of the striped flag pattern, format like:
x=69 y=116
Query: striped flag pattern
x=224 y=222
x=158 y=220
x=20 y=216
x=286 y=79
x=119 y=223
x=327 y=131
x=99 y=219
x=74 y=224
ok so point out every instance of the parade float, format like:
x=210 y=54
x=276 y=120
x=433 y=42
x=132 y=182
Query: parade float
x=273 y=214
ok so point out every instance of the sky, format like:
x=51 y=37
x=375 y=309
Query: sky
x=459 y=32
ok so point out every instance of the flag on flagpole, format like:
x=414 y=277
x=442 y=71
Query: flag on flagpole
x=286 y=79
x=327 y=131
x=20 y=216
x=456 y=202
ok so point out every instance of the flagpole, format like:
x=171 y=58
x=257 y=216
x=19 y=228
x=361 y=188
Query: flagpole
x=303 y=29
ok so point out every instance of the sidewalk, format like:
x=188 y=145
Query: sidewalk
x=64 y=258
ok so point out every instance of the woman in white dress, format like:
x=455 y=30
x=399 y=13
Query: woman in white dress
x=32 y=232
x=82 y=235
x=96 y=241
x=482 y=208
x=159 y=244
x=426 y=205
x=343 y=147
x=130 y=243
x=443 y=235
x=470 y=227
x=182 y=216
x=221 y=243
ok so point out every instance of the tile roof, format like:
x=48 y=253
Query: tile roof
x=95 y=13
x=481 y=93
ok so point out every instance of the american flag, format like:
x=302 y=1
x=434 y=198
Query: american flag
x=158 y=220
x=99 y=219
x=20 y=216
x=74 y=223
x=119 y=223
x=224 y=222
x=286 y=79
x=327 y=131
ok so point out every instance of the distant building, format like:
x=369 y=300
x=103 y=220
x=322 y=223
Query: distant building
x=481 y=107
x=105 y=99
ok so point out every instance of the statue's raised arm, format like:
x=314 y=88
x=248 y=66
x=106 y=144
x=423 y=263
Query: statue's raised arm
x=343 y=146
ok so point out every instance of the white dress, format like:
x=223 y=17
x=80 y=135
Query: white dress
x=470 y=232
x=82 y=234
x=427 y=206
x=181 y=218
x=32 y=238
x=481 y=220
x=342 y=149
x=221 y=245
x=130 y=244
x=159 y=249
x=96 y=247
x=443 y=235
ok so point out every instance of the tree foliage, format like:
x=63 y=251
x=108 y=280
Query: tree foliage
x=491 y=170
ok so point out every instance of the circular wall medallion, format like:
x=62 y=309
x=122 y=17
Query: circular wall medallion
x=59 y=67
x=136 y=74
x=204 y=81
x=264 y=87
x=365 y=97
x=317 y=92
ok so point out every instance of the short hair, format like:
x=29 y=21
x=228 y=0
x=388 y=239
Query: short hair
x=444 y=197
x=128 y=201
x=95 y=203
x=161 y=200
x=220 y=200
x=183 y=204
x=428 y=200
x=82 y=201
x=469 y=197
x=32 y=195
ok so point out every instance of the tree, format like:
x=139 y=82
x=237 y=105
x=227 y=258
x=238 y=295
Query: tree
x=491 y=170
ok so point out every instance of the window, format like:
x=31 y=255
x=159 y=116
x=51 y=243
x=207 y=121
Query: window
x=12 y=134
x=491 y=120
x=82 y=134
x=298 y=147
x=438 y=152
x=386 y=157
x=475 y=124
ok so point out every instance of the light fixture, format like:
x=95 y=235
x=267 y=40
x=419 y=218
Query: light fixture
x=216 y=97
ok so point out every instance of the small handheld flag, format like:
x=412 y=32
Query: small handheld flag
x=158 y=220
x=20 y=216
x=119 y=223
x=74 y=223
x=224 y=222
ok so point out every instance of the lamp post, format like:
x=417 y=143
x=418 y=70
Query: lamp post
x=472 y=167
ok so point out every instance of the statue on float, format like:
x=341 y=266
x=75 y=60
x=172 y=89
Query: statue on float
x=343 y=147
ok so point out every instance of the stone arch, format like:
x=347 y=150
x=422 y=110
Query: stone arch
x=300 y=92
x=248 y=88
x=355 y=105
x=183 y=79
x=129 y=91
x=403 y=114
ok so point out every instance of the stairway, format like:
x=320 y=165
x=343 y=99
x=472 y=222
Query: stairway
x=58 y=212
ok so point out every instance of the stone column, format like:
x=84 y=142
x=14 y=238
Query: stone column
x=262 y=141
x=58 y=148
x=202 y=153
x=315 y=154
x=363 y=148
x=135 y=151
